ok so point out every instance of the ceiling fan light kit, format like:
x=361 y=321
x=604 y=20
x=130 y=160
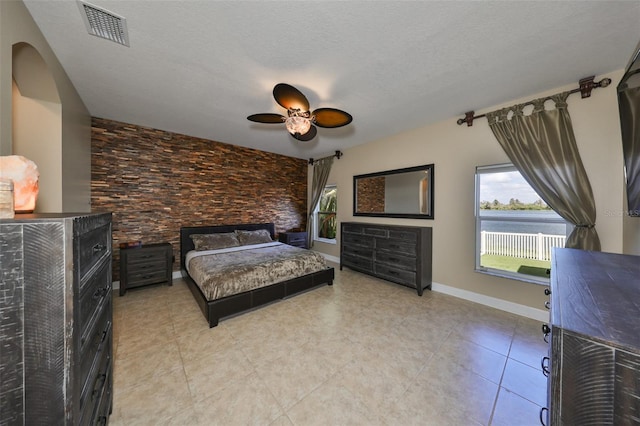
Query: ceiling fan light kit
x=300 y=121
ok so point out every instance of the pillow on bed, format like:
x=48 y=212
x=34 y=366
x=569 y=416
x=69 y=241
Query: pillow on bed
x=253 y=237
x=214 y=241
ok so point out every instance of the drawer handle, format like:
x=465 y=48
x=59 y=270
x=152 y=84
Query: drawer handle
x=547 y=304
x=545 y=331
x=542 y=415
x=98 y=385
x=105 y=332
x=100 y=293
x=547 y=291
x=544 y=363
x=392 y=272
x=99 y=248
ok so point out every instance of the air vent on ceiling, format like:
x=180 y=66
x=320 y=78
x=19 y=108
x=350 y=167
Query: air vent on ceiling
x=104 y=24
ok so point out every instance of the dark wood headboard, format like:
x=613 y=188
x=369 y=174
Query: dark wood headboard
x=186 y=243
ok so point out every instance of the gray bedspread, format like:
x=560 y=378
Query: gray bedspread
x=224 y=274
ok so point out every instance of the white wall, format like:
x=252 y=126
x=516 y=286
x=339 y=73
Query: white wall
x=74 y=162
x=37 y=135
x=456 y=151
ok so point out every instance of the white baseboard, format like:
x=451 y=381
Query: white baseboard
x=330 y=258
x=503 y=305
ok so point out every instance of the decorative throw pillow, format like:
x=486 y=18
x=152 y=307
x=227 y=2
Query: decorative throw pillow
x=214 y=241
x=253 y=237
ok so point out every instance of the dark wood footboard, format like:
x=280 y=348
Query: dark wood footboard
x=214 y=310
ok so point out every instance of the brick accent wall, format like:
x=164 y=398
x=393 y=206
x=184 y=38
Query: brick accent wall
x=154 y=182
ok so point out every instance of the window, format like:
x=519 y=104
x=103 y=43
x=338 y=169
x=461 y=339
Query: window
x=325 y=215
x=515 y=229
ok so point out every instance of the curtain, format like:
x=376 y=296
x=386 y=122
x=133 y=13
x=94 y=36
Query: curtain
x=629 y=101
x=321 y=169
x=543 y=148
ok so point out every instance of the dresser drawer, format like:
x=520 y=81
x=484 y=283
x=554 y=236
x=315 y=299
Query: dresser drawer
x=360 y=240
x=357 y=262
x=407 y=236
x=396 y=246
x=95 y=293
x=92 y=248
x=91 y=396
x=396 y=275
x=358 y=251
x=94 y=347
x=352 y=228
x=101 y=415
x=397 y=260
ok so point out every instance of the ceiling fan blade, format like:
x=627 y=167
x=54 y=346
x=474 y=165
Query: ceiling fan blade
x=313 y=131
x=266 y=118
x=331 y=117
x=290 y=98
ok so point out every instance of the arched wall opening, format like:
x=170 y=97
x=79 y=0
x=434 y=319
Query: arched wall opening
x=37 y=123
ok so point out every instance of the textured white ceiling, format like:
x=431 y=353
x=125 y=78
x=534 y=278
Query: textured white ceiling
x=201 y=67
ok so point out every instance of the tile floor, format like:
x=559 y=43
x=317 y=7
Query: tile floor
x=361 y=352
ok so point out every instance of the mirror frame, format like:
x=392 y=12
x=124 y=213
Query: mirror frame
x=430 y=188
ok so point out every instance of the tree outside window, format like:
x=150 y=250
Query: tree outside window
x=326 y=224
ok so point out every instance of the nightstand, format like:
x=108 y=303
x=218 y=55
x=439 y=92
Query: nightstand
x=148 y=264
x=297 y=239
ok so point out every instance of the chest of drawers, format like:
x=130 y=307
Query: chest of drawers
x=401 y=254
x=55 y=294
x=149 y=264
x=594 y=354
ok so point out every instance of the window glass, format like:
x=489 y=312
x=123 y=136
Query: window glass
x=326 y=226
x=515 y=230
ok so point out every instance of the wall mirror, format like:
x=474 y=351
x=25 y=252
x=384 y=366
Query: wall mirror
x=405 y=193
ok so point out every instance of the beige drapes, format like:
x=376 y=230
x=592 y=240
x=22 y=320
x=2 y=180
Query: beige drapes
x=543 y=148
x=629 y=101
x=321 y=170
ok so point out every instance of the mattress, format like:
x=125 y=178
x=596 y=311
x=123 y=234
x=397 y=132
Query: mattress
x=225 y=272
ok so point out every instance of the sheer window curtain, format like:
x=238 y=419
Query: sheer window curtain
x=543 y=148
x=321 y=170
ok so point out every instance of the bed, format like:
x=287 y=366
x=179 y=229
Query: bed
x=223 y=283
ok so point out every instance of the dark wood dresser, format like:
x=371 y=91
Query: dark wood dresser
x=297 y=239
x=148 y=264
x=401 y=254
x=594 y=335
x=55 y=304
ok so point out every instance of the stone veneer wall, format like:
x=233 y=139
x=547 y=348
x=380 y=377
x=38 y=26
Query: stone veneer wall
x=155 y=181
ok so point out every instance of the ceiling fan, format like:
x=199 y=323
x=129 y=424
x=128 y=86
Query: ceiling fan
x=299 y=120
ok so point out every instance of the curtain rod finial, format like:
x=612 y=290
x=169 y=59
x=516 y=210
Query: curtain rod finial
x=468 y=118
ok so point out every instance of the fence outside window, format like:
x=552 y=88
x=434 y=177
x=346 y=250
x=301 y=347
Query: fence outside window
x=526 y=246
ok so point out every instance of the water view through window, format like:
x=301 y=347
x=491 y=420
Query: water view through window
x=515 y=230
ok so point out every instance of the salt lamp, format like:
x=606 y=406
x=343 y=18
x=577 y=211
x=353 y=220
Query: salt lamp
x=24 y=174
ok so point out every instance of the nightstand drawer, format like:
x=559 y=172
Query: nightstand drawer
x=146 y=277
x=148 y=266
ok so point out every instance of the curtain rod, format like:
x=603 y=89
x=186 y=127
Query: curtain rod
x=586 y=86
x=338 y=154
